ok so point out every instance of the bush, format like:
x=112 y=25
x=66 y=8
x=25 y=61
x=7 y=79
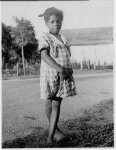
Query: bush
x=31 y=70
x=109 y=67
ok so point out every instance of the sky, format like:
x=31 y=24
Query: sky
x=77 y=14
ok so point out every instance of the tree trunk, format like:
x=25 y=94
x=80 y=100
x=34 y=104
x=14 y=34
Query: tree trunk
x=94 y=65
x=23 y=60
x=17 y=68
x=88 y=65
x=3 y=62
x=81 y=65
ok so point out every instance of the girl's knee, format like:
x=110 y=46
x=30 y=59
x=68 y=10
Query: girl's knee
x=48 y=103
x=56 y=105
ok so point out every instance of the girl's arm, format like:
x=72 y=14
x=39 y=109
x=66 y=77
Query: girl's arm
x=50 y=61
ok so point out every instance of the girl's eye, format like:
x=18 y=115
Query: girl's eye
x=52 y=22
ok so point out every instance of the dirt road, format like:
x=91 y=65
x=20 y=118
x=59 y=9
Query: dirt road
x=23 y=110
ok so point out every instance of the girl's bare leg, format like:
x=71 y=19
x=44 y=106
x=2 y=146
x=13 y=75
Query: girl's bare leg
x=58 y=134
x=54 y=119
x=48 y=109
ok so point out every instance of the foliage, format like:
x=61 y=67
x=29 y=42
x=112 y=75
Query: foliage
x=9 y=49
x=30 y=51
x=30 y=70
x=91 y=129
x=76 y=65
x=6 y=38
x=23 y=33
x=88 y=64
x=6 y=44
x=13 y=38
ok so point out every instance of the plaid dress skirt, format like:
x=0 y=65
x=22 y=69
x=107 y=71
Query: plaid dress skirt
x=49 y=78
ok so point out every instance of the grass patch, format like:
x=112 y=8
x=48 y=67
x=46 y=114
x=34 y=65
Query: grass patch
x=94 y=128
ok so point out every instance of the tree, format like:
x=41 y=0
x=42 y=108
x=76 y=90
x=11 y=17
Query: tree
x=6 y=44
x=30 y=50
x=23 y=34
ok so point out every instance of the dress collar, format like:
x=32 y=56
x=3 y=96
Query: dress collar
x=63 y=41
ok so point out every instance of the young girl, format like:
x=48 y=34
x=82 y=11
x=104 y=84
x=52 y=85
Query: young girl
x=56 y=80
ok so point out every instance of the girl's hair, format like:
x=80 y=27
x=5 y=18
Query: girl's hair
x=51 y=11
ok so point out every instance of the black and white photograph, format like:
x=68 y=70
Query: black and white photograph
x=57 y=72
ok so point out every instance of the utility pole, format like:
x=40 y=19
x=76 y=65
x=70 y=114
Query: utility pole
x=23 y=59
x=95 y=60
x=82 y=59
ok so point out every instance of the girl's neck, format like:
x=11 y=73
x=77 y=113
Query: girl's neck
x=55 y=34
x=58 y=36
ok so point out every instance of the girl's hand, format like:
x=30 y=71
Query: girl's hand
x=69 y=71
x=66 y=73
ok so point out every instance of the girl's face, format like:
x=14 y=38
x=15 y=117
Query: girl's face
x=54 y=24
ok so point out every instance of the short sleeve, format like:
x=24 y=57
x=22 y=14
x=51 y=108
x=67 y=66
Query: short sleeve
x=43 y=43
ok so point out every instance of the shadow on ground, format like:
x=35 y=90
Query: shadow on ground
x=94 y=128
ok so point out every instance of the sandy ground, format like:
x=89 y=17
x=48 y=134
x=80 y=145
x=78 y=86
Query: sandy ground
x=23 y=110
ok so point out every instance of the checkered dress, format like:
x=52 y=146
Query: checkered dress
x=49 y=77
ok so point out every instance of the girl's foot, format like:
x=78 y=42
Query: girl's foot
x=50 y=140
x=58 y=135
